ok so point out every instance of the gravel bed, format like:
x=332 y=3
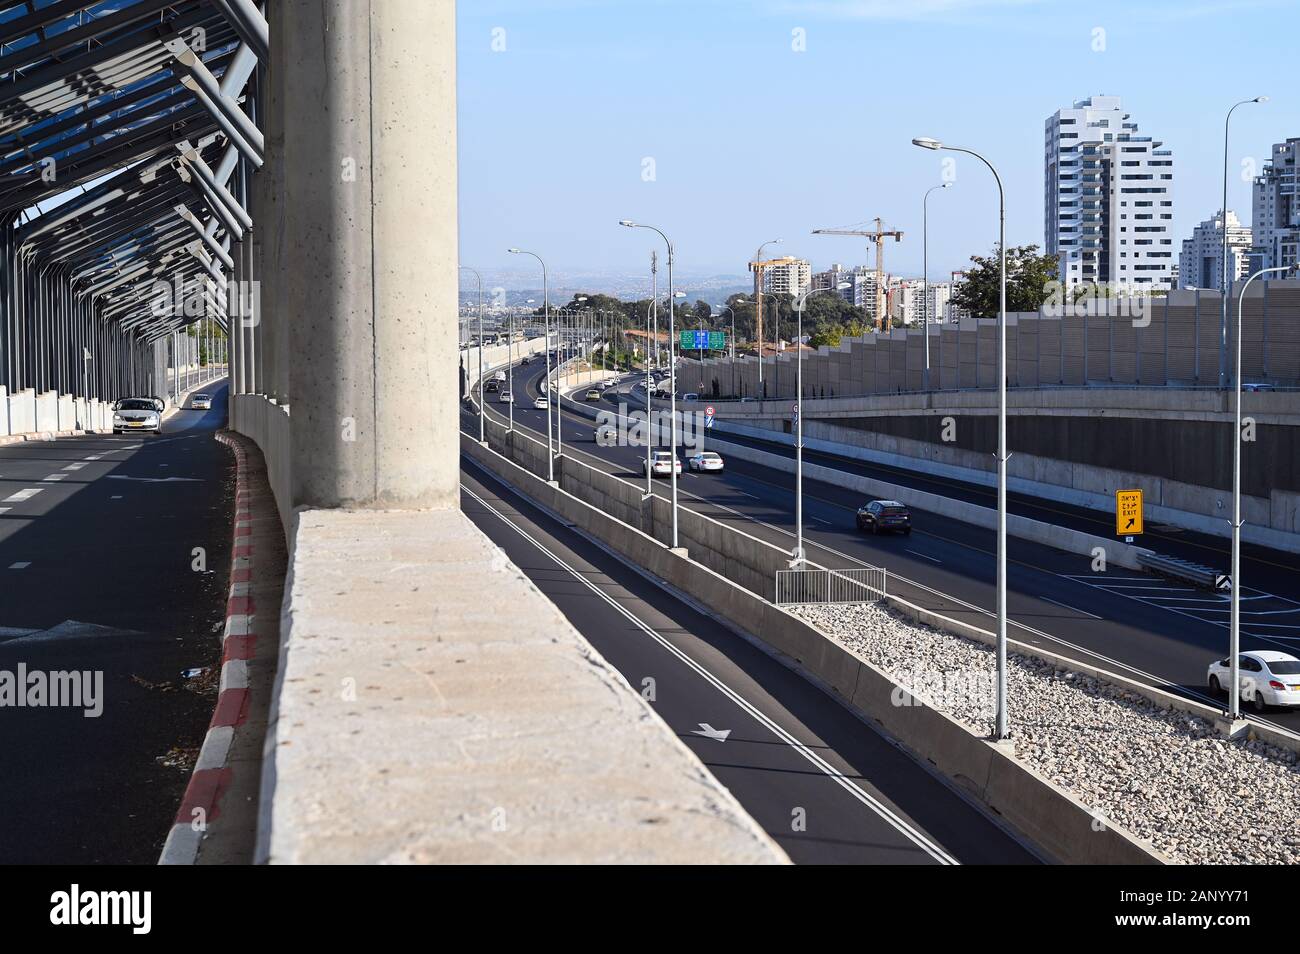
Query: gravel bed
x=1164 y=776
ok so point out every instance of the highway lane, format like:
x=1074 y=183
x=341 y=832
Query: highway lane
x=823 y=784
x=99 y=573
x=1155 y=635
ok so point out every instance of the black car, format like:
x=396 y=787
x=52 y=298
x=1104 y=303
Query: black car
x=882 y=516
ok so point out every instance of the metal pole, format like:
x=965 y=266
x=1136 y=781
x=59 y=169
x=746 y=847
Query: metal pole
x=798 y=438
x=925 y=276
x=1234 y=624
x=546 y=314
x=1226 y=286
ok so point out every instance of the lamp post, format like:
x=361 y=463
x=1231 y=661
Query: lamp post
x=925 y=276
x=1002 y=729
x=481 y=396
x=732 y=312
x=799 y=304
x=1234 y=618
x=546 y=317
x=758 y=317
x=1227 y=282
x=672 y=372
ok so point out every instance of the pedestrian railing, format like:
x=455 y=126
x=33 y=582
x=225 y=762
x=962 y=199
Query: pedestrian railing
x=857 y=585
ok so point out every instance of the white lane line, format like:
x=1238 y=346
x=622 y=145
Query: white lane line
x=1073 y=609
x=25 y=494
x=53 y=477
x=899 y=824
x=93 y=457
x=924 y=556
x=74 y=466
x=5 y=509
x=19 y=566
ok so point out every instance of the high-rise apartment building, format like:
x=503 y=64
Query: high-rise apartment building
x=1275 y=212
x=1108 y=203
x=787 y=276
x=1200 y=264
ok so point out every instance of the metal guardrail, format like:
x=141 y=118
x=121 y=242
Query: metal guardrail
x=1180 y=569
x=857 y=585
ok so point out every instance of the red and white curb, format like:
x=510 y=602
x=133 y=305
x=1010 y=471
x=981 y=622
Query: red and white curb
x=212 y=773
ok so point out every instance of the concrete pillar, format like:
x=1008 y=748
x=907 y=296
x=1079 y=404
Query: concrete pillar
x=370 y=251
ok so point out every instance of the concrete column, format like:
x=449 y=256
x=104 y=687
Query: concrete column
x=370 y=251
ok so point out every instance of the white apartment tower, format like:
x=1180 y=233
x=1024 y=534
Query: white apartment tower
x=1108 y=203
x=1200 y=264
x=787 y=276
x=1275 y=212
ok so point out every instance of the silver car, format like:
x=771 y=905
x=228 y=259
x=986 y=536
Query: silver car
x=137 y=414
x=201 y=402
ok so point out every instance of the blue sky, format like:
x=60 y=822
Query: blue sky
x=751 y=139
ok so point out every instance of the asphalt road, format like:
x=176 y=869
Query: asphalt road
x=97 y=541
x=827 y=787
x=1129 y=622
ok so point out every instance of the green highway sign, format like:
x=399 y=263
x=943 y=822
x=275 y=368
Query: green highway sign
x=703 y=341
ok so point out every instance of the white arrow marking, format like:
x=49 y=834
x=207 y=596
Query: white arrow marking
x=709 y=732
x=154 y=480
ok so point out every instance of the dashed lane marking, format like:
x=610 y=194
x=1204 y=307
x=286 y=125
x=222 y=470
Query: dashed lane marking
x=19 y=566
x=25 y=494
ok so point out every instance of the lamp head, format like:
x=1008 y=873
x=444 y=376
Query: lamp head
x=628 y=222
x=925 y=142
x=513 y=251
x=1260 y=99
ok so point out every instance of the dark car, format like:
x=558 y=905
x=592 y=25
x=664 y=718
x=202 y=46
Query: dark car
x=883 y=516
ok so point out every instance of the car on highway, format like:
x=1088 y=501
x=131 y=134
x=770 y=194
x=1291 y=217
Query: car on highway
x=201 y=402
x=137 y=414
x=506 y=398
x=524 y=360
x=662 y=463
x=541 y=402
x=1268 y=678
x=1256 y=386
x=885 y=516
x=492 y=386
x=593 y=394
x=706 y=461
x=690 y=396
x=607 y=436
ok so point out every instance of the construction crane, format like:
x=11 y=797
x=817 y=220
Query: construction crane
x=878 y=236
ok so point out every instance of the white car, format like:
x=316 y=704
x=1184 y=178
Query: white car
x=201 y=402
x=137 y=414
x=1268 y=678
x=706 y=460
x=662 y=463
x=541 y=403
x=690 y=396
x=506 y=398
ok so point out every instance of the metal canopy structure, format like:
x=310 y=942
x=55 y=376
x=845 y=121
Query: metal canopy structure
x=128 y=135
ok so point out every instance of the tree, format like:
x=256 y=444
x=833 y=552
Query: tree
x=1029 y=278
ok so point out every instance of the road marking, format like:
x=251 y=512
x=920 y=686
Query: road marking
x=1073 y=609
x=924 y=556
x=5 y=509
x=19 y=566
x=900 y=825
x=74 y=466
x=53 y=477
x=26 y=494
x=93 y=457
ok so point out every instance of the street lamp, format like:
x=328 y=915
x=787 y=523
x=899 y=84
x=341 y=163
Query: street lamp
x=758 y=318
x=672 y=372
x=1234 y=624
x=925 y=276
x=546 y=317
x=1002 y=729
x=1226 y=282
x=733 y=346
x=799 y=303
x=481 y=396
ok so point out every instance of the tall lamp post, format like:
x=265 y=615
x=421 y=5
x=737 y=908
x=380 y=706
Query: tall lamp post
x=1002 y=729
x=1234 y=623
x=925 y=276
x=1226 y=282
x=799 y=303
x=546 y=316
x=481 y=396
x=732 y=312
x=758 y=318
x=672 y=371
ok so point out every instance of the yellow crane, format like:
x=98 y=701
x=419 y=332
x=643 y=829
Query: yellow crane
x=878 y=236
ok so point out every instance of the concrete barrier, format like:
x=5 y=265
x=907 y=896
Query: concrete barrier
x=1037 y=531
x=47 y=412
x=22 y=411
x=1044 y=813
x=267 y=425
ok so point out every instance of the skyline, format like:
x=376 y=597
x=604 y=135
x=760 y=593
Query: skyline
x=720 y=200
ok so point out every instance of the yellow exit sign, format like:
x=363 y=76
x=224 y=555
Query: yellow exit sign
x=1128 y=512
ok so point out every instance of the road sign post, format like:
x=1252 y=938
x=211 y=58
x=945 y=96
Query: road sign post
x=1128 y=513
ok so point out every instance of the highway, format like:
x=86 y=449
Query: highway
x=97 y=541
x=826 y=786
x=1128 y=622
